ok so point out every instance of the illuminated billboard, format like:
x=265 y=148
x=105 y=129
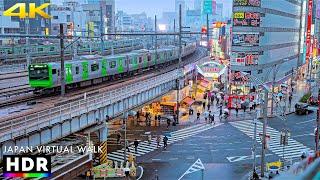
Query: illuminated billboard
x=244 y=58
x=241 y=39
x=255 y=3
x=246 y=19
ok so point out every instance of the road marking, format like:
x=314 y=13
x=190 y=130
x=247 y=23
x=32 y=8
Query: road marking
x=144 y=146
x=242 y=158
x=172 y=159
x=306 y=121
x=292 y=150
x=310 y=134
x=155 y=159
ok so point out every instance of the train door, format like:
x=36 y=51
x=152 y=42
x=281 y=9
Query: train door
x=69 y=77
x=85 y=74
x=104 y=67
x=120 y=65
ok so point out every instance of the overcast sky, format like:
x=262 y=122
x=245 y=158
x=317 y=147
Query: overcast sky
x=152 y=7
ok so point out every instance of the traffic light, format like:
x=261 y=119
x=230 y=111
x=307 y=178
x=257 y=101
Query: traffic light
x=204 y=29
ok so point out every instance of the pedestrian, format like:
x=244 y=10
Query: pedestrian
x=149 y=138
x=290 y=98
x=165 y=142
x=220 y=113
x=237 y=110
x=244 y=108
x=209 y=117
x=136 y=144
x=118 y=138
x=174 y=118
x=218 y=101
x=138 y=115
x=155 y=118
x=212 y=119
x=212 y=99
x=198 y=115
x=203 y=105
x=206 y=115
x=127 y=145
x=168 y=123
x=158 y=141
x=208 y=107
x=251 y=106
x=159 y=118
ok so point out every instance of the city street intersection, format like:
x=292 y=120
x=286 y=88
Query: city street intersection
x=225 y=150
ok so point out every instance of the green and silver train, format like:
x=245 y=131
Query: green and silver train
x=19 y=51
x=93 y=69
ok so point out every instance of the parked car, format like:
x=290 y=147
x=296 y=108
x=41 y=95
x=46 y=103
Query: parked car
x=302 y=108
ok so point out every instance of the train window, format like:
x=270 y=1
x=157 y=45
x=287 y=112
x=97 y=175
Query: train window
x=54 y=71
x=58 y=73
x=140 y=60
x=77 y=70
x=51 y=48
x=94 y=67
x=149 y=57
x=112 y=64
x=40 y=49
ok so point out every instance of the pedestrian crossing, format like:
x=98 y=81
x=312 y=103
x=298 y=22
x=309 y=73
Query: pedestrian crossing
x=146 y=147
x=292 y=151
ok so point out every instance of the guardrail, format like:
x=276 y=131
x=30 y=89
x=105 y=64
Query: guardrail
x=34 y=122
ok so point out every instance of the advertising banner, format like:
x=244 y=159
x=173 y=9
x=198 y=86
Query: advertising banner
x=309 y=22
x=318 y=10
x=245 y=39
x=244 y=58
x=255 y=3
x=246 y=19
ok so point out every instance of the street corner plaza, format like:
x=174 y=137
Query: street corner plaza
x=173 y=89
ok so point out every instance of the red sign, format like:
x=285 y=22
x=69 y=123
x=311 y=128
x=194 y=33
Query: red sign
x=309 y=22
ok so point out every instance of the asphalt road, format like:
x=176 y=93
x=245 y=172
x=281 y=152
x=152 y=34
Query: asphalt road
x=225 y=150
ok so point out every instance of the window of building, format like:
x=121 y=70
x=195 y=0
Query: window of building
x=112 y=64
x=140 y=60
x=55 y=17
x=94 y=67
x=54 y=71
x=149 y=57
x=68 y=18
x=260 y=71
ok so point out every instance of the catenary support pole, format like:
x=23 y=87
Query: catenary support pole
x=179 y=64
x=208 y=39
x=62 y=60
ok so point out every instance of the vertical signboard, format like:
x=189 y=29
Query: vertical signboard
x=214 y=7
x=318 y=10
x=207 y=7
x=309 y=22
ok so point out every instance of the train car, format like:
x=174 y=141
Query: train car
x=93 y=69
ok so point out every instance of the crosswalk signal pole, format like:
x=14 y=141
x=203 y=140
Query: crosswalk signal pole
x=265 y=116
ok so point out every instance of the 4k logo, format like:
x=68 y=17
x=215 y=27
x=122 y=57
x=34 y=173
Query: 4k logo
x=33 y=10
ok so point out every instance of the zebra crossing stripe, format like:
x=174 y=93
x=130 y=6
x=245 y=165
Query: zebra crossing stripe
x=144 y=147
x=292 y=150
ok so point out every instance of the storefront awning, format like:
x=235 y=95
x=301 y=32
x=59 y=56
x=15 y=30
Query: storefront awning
x=204 y=84
x=188 y=100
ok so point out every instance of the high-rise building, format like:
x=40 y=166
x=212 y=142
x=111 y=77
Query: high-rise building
x=265 y=42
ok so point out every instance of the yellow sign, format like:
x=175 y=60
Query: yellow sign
x=276 y=163
x=33 y=10
x=239 y=15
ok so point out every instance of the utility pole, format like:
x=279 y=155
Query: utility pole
x=174 y=30
x=101 y=29
x=180 y=59
x=62 y=60
x=318 y=124
x=155 y=31
x=264 y=131
x=75 y=46
x=208 y=46
x=27 y=42
x=125 y=132
x=254 y=144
